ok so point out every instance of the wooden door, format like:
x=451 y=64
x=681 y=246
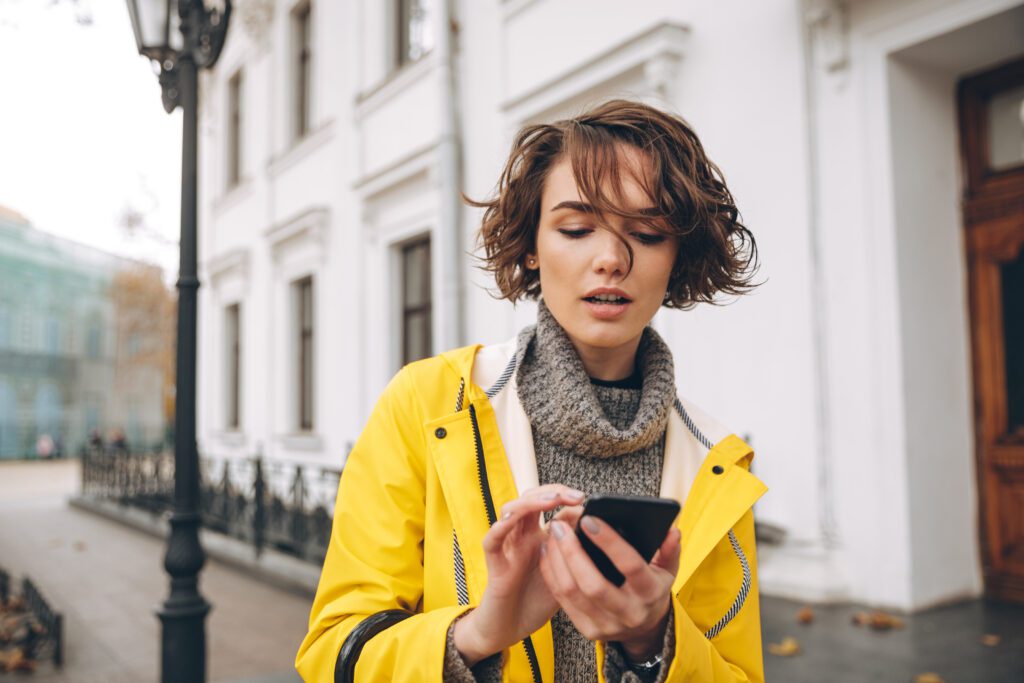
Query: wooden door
x=992 y=146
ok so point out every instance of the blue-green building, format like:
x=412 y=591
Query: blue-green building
x=58 y=344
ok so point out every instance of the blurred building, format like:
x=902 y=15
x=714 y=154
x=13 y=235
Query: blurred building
x=68 y=363
x=860 y=139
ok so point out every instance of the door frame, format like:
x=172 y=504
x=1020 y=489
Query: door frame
x=993 y=203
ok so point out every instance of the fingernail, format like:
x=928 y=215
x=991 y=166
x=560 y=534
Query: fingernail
x=590 y=525
x=505 y=515
x=557 y=530
x=548 y=496
x=574 y=494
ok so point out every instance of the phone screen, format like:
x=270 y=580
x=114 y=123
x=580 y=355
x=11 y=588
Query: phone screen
x=643 y=521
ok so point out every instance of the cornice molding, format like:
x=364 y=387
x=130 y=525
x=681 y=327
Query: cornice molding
x=230 y=262
x=655 y=52
x=308 y=226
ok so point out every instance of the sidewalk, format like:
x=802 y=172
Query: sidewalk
x=946 y=641
x=109 y=580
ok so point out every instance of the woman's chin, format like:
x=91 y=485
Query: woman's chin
x=605 y=335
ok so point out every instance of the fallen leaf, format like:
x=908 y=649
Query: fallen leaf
x=787 y=648
x=928 y=677
x=14 y=660
x=990 y=639
x=880 y=621
x=805 y=616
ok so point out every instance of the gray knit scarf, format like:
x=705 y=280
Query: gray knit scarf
x=562 y=403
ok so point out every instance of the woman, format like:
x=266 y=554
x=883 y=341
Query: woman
x=442 y=564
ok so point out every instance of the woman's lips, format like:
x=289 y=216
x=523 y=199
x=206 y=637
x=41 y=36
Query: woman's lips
x=605 y=310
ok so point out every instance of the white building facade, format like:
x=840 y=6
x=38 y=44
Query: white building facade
x=337 y=135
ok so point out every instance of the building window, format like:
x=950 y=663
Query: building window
x=235 y=129
x=232 y=340
x=133 y=345
x=302 y=56
x=94 y=340
x=303 y=293
x=415 y=30
x=5 y=327
x=52 y=339
x=416 y=301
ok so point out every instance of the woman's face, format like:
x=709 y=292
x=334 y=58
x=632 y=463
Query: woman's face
x=579 y=261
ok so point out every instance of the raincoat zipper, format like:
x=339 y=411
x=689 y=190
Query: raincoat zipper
x=485 y=490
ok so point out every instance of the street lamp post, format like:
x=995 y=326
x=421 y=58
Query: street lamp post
x=181 y=37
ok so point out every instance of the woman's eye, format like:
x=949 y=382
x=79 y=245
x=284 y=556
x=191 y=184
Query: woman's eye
x=649 y=237
x=574 y=234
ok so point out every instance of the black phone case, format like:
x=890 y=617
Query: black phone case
x=643 y=521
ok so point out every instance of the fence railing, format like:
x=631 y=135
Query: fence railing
x=52 y=632
x=29 y=624
x=268 y=504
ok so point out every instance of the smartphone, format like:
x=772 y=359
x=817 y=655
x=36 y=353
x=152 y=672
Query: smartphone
x=643 y=521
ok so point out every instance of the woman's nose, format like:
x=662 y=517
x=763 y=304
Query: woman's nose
x=611 y=256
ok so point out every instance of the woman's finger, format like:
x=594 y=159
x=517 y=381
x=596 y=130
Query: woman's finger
x=540 y=499
x=570 y=514
x=667 y=557
x=558 y=577
x=523 y=522
x=622 y=554
x=581 y=610
x=591 y=582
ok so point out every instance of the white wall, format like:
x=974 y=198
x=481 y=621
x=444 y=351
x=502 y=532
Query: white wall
x=899 y=392
x=847 y=368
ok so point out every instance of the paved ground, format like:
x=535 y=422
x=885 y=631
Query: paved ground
x=109 y=580
x=946 y=641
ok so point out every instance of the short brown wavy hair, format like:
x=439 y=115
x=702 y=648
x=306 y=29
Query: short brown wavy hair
x=717 y=253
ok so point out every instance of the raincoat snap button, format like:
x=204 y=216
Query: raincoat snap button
x=718 y=469
x=440 y=432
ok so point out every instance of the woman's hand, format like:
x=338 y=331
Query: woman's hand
x=634 y=614
x=516 y=601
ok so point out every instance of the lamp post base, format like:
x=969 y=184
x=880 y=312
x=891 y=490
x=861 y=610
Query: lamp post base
x=183 y=614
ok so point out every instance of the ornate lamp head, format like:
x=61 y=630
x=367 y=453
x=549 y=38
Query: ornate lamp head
x=167 y=30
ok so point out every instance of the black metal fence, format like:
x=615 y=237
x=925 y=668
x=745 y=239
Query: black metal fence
x=51 y=623
x=268 y=504
x=29 y=624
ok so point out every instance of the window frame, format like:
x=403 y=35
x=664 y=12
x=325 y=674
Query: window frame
x=235 y=95
x=401 y=34
x=408 y=311
x=302 y=69
x=303 y=294
x=233 y=350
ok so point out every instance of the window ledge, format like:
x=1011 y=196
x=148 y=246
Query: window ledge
x=233 y=195
x=392 y=84
x=301 y=441
x=310 y=225
x=235 y=438
x=301 y=148
x=233 y=261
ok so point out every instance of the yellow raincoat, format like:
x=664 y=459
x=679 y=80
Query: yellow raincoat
x=445 y=447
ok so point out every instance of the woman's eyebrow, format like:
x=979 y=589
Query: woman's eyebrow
x=584 y=207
